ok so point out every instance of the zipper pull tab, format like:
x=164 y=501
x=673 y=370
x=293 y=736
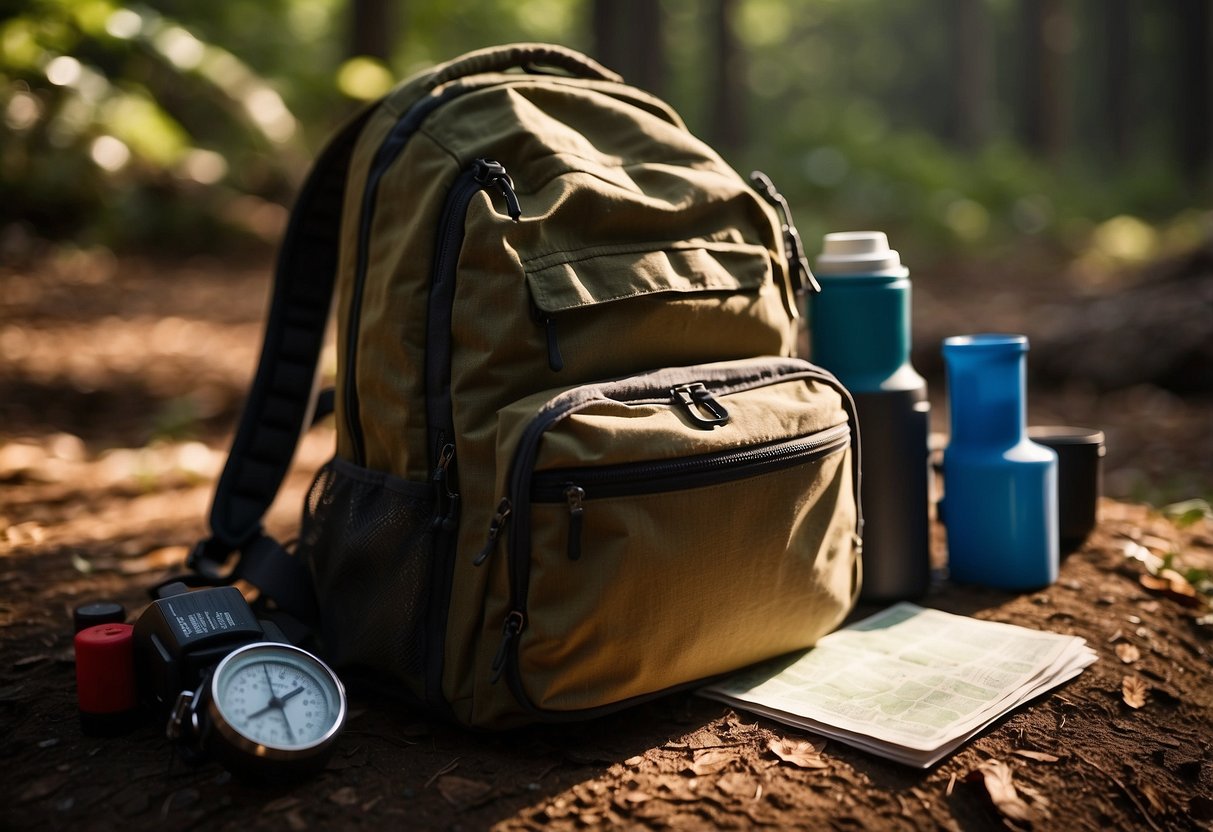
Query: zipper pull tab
x=574 y=494
x=446 y=500
x=548 y=322
x=491 y=174
x=498 y=523
x=514 y=622
x=798 y=263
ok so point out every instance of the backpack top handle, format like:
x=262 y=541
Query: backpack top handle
x=529 y=56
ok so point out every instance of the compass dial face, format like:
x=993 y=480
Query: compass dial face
x=278 y=696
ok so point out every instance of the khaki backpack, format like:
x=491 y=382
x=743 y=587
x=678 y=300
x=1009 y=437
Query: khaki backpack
x=577 y=464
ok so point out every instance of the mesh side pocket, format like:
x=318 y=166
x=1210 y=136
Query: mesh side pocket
x=366 y=536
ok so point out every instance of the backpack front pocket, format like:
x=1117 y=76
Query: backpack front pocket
x=672 y=527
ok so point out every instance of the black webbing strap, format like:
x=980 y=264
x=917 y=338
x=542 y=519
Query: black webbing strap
x=280 y=399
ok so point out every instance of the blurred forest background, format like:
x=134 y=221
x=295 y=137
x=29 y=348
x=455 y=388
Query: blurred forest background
x=1016 y=151
x=958 y=124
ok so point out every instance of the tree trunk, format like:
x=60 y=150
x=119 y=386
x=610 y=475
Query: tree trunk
x=972 y=59
x=628 y=39
x=1194 y=87
x=371 y=27
x=1118 y=77
x=729 y=86
x=1046 y=33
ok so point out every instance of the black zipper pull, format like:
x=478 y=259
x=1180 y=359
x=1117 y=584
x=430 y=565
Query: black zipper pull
x=491 y=174
x=446 y=500
x=514 y=622
x=555 y=359
x=802 y=275
x=574 y=494
x=498 y=523
x=548 y=322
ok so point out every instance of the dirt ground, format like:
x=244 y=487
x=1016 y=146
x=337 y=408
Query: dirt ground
x=119 y=382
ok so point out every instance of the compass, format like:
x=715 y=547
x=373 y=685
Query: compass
x=268 y=710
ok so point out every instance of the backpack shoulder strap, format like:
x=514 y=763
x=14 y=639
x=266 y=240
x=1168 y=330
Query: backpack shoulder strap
x=280 y=400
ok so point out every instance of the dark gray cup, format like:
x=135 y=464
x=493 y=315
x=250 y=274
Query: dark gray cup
x=1080 y=453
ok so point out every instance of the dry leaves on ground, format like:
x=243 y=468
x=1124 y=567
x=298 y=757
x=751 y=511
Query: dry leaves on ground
x=799 y=753
x=1038 y=756
x=711 y=760
x=999 y=782
x=1134 y=691
x=1127 y=653
x=1173 y=585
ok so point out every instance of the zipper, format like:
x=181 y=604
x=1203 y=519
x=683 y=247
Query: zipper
x=576 y=486
x=660 y=476
x=481 y=175
x=446 y=499
x=389 y=151
x=521 y=481
x=504 y=509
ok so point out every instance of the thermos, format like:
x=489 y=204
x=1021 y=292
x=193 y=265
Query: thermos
x=859 y=325
x=1000 y=487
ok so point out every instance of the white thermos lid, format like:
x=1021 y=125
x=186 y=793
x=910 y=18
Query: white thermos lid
x=857 y=252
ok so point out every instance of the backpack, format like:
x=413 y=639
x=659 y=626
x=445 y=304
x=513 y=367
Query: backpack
x=577 y=462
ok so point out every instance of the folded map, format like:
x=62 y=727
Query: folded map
x=908 y=683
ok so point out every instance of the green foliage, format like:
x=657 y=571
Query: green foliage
x=1188 y=512
x=123 y=127
x=182 y=125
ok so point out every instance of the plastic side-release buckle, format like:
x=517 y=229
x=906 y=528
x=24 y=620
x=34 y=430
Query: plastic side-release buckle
x=700 y=406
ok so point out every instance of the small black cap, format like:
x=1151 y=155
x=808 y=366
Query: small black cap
x=98 y=612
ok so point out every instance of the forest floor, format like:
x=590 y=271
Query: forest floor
x=119 y=383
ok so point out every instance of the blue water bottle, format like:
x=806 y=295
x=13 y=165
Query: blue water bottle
x=859 y=329
x=1000 y=488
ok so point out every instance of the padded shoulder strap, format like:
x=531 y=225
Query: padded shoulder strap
x=281 y=397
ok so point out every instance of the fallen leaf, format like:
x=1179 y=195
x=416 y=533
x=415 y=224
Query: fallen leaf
x=345 y=796
x=798 y=752
x=281 y=804
x=1174 y=586
x=632 y=762
x=737 y=785
x=463 y=793
x=710 y=761
x=1127 y=653
x=1134 y=691
x=996 y=776
x=1039 y=756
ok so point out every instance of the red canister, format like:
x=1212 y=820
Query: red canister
x=105 y=678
